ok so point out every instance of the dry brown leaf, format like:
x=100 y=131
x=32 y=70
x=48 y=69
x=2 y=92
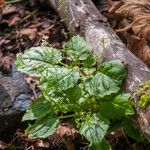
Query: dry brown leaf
x=34 y=85
x=2 y=2
x=132 y=19
x=28 y=32
x=8 y=9
x=14 y=20
x=6 y=62
x=69 y=145
x=43 y=144
x=66 y=130
x=65 y=134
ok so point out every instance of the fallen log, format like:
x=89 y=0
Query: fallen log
x=82 y=17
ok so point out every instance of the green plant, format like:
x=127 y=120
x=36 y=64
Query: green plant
x=74 y=87
x=144 y=94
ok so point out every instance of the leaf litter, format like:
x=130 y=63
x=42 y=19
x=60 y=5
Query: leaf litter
x=131 y=20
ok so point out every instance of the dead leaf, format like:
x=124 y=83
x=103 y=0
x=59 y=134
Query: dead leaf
x=69 y=144
x=2 y=2
x=8 y=9
x=65 y=134
x=6 y=62
x=34 y=84
x=131 y=18
x=14 y=20
x=28 y=32
x=23 y=27
x=66 y=130
x=43 y=144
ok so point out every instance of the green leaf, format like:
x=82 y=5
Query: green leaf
x=115 y=69
x=74 y=94
x=90 y=60
x=120 y=106
x=42 y=55
x=60 y=78
x=131 y=130
x=43 y=127
x=94 y=129
x=31 y=70
x=104 y=145
x=39 y=108
x=79 y=50
x=38 y=57
x=123 y=102
x=101 y=85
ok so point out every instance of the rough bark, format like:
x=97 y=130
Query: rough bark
x=82 y=17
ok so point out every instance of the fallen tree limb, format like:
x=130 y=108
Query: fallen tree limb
x=82 y=17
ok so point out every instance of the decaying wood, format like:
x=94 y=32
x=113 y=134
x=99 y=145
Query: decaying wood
x=82 y=17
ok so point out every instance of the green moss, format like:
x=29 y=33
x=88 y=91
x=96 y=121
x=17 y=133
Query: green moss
x=144 y=94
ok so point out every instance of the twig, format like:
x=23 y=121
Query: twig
x=28 y=16
x=13 y=1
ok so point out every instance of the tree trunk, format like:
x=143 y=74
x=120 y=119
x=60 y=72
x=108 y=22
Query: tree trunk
x=82 y=17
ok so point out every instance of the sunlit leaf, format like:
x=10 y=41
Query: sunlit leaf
x=60 y=78
x=36 y=58
x=38 y=109
x=114 y=69
x=101 y=85
x=43 y=127
x=119 y=107
x=94 y=129
x=79 y=50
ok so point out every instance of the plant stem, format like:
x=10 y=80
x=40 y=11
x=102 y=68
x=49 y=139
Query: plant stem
x=13 y=1
x=67 y=116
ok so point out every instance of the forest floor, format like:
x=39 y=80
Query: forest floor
x=23 y=26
